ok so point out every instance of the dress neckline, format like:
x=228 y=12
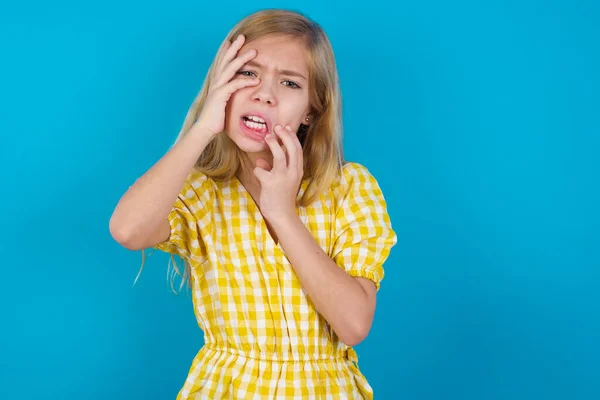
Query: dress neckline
x=258 y=216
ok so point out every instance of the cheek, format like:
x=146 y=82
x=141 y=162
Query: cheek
x=231 y=104
x=294 y=108
x=302 y=106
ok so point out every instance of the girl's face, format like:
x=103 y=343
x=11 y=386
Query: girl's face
x=280 y=98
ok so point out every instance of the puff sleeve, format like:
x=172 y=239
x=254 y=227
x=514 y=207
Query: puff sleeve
x=190 y=219
x=363 y=230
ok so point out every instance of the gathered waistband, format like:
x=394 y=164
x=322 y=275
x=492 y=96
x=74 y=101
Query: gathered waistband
x=256 y=354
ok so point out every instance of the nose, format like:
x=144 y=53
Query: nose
x=264 y=93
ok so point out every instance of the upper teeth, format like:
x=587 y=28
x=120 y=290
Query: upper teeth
x=256 y=119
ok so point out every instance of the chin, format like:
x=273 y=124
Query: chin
x=248 y=145
x=245 y=143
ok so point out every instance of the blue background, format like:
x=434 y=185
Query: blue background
x=481 y=123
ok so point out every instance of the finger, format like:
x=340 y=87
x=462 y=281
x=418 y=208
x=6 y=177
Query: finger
x=238 y=84
x=221 y=53
x=299 y=149
x=230 y=70
x=232 y=50
x=279 y=158
x=220 y=61
x=262 y=163
x=291 y=149
x=261 y=174
x=299 y=152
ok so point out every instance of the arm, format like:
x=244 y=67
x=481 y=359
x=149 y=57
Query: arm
x=346 y=302
x=140 y=218
x=341 y=286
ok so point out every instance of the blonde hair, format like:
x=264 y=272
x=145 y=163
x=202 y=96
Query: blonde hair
x=321 y=140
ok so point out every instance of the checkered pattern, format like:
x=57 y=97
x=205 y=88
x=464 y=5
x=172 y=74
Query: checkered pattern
x=263 y=337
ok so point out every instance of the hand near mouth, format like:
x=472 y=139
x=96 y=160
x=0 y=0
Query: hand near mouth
x=279 y=183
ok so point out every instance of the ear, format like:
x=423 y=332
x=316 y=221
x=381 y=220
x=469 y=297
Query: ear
x=306 y=120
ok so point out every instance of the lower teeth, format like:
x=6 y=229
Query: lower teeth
x=256 y=126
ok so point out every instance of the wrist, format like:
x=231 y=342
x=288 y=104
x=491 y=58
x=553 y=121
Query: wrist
x=201 y=130
x=284 y=221
x=199 y=136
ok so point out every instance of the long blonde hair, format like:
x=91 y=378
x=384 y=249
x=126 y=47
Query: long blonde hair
x=321 y=140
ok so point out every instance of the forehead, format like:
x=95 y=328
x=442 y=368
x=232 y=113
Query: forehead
x=279 y=51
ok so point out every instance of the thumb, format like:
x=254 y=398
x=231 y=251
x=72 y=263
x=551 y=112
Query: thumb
x=264 y=164
x=261 y=174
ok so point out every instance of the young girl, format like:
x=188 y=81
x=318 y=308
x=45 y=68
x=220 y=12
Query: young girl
x=283 y=241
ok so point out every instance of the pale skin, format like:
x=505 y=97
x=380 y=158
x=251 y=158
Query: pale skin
x=273 y=82
x=347 y=303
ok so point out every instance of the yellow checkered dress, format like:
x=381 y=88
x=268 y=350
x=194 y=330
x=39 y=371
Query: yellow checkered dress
x=263 y=337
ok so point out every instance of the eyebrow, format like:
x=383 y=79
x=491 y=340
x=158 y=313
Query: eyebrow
x=289 y=72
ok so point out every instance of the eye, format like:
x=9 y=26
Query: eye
x=245 y=73
x=291 y=84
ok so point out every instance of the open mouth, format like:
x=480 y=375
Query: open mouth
x=256 y=123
